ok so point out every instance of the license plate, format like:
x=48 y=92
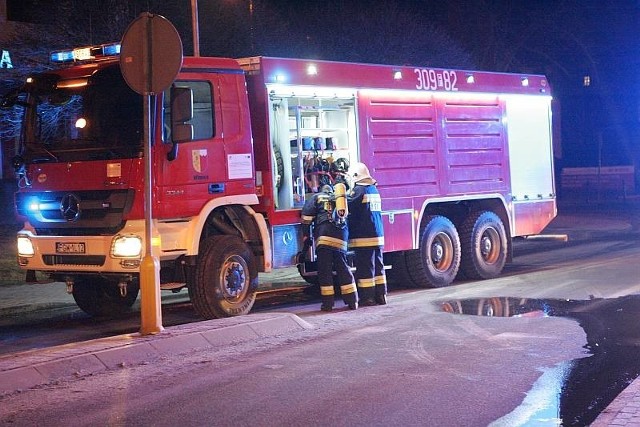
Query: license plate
x=70 y=248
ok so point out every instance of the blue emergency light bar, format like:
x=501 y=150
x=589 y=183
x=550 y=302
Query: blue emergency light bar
x=87 y=53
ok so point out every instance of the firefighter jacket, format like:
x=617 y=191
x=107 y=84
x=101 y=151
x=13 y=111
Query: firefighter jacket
x=365 y=217
x=318 y=211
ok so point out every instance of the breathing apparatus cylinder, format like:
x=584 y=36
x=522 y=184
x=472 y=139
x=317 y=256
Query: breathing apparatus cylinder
x=342 y=208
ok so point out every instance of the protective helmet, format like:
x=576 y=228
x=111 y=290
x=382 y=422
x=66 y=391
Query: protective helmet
x=360 y=172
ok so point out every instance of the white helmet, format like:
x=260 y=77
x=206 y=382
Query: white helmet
x=360 y=172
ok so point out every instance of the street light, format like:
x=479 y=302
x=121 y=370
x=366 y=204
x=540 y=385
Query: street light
x=251 y=26
x=196 y=30
x=194 y=27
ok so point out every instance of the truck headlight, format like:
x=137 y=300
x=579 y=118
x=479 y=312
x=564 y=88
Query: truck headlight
x=25 y=247
x=126 y=247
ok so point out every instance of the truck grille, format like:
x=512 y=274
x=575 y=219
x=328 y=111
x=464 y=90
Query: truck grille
x=89 y=260
x=79 y=213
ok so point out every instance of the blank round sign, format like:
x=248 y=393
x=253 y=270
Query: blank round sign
x=150 y=54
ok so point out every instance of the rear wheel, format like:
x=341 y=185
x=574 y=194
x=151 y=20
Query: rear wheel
x=226 y=278
x=484 y=246
x=101 y=297
x=436 y=262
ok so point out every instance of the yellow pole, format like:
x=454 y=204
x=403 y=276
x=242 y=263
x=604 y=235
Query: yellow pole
x=150 y=304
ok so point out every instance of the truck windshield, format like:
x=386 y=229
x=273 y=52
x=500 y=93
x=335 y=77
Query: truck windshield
x=92 y=118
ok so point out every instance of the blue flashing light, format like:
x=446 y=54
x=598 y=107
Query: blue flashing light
x=33 y=205
x=86 y=53
x=111 y=49
x=62 y=56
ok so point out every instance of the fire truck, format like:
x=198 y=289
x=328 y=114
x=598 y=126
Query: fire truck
x=463 y=161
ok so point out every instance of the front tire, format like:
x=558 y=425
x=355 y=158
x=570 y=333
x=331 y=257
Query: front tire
x=436 y=262
x=484 y=246
x=100 y=297
x=226 y=278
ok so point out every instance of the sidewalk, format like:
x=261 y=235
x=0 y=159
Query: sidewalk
x=624 y=410
x=40 y=366
x=33 y=368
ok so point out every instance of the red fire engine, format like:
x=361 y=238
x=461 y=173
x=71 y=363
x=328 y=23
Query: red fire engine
x=463 y=160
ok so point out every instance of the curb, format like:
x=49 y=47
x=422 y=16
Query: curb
x=33 y=368
x=623 y=410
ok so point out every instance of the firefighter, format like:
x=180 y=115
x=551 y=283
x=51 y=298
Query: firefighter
x=330 y=234
x=366 y=237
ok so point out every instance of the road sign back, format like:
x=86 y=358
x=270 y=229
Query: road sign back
x=151 y=54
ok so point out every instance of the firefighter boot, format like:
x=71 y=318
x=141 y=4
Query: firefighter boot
x=326 y=297
x=350 y=295
x=381 y=294
x=366 y=290
x=327 y=304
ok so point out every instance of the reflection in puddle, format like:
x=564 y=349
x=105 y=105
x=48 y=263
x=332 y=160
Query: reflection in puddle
x=583 y=387
x=499 y=307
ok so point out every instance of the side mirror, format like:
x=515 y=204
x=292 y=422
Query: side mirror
x=18 y=163
x=181 y=113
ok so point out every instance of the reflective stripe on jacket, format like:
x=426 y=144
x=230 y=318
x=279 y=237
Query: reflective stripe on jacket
x=365 y=217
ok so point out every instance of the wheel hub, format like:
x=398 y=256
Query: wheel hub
x=235 y=278
x=437 y=252
x=486 y=246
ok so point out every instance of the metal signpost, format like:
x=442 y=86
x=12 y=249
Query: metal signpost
x=150 y=59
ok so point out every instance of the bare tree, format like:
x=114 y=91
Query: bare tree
x=65 y=24
x=29 y=55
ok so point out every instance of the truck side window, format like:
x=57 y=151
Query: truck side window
x=203 y=122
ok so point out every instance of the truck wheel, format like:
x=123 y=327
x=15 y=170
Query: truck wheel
x=226 y=278
x=436 y=262
x=100 y=297
x=484 y=245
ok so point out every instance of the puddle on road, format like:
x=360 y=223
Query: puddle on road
x=584 y=387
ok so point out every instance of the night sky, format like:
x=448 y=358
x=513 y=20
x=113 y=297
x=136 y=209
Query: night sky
x=566 y=40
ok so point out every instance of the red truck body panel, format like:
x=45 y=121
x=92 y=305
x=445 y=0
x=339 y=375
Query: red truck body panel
x=427 y=135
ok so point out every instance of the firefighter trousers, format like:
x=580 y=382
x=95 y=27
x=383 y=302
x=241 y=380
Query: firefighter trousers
x=328 y=260
x=370 y=276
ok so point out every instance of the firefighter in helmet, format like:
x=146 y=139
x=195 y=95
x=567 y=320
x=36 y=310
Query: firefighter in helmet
x=330 y=233
x=366 y=236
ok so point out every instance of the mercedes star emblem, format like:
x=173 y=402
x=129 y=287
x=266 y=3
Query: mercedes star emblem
x=70 y=207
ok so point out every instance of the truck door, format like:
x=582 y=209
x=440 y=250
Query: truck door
x=198 y=172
